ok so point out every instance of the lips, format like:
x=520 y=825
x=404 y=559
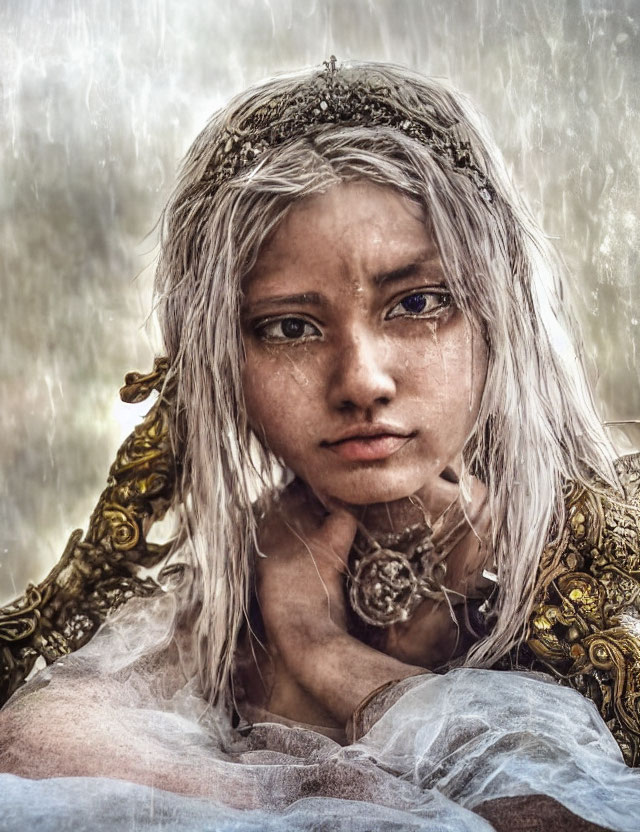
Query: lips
x=365 y=448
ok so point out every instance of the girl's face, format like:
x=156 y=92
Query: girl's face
x=360 y=373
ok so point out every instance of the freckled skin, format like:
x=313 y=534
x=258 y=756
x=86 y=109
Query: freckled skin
x=347 y=324
x=364 y=358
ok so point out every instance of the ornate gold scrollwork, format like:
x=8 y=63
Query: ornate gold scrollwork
x=585 y=626
x=98 y=573
x=23 y=616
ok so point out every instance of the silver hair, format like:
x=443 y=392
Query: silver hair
x=537 y=425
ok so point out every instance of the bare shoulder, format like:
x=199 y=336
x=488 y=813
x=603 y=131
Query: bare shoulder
x=75 y=718
x=32 y=741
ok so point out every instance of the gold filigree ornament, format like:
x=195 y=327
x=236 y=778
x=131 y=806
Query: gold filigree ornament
x=386 y=585
x=585 y=625
x=99 y=572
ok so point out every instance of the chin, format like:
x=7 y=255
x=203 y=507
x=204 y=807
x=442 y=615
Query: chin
x=371 y=485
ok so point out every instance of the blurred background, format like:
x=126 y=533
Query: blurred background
x=101 y=98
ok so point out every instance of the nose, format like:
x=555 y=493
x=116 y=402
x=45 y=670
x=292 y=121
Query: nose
x=361 y=373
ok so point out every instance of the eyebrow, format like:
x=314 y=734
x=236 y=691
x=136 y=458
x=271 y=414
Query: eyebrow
x=398 y=274
x=304 y=299
x=379 y=280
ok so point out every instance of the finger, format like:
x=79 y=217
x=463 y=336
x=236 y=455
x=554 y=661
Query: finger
x=338 y=531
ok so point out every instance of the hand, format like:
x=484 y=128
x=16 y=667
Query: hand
x=299 y=577
x=299 y=581
x=300 y=588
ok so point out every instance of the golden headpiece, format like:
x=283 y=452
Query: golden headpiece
x=348 y=97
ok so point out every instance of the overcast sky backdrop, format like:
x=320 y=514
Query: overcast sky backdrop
x=101 y=98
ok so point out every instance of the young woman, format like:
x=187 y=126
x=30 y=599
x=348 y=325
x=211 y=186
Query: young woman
x=386 y=444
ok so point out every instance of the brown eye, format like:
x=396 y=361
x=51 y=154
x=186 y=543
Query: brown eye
x=282 y=330
x=292 y=327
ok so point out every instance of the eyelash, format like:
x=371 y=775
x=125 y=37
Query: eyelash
x=444 y=297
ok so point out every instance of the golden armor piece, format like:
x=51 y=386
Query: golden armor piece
x=585 y=625
x=584 y=628
x=97 y=574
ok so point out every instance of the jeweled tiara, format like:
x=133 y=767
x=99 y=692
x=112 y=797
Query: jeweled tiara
x=345 y=96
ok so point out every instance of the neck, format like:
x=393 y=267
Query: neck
x=460 y=531
x=393 y=517
x=425 y=507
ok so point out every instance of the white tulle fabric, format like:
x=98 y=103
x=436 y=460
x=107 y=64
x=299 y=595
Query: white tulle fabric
x=120 y=740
